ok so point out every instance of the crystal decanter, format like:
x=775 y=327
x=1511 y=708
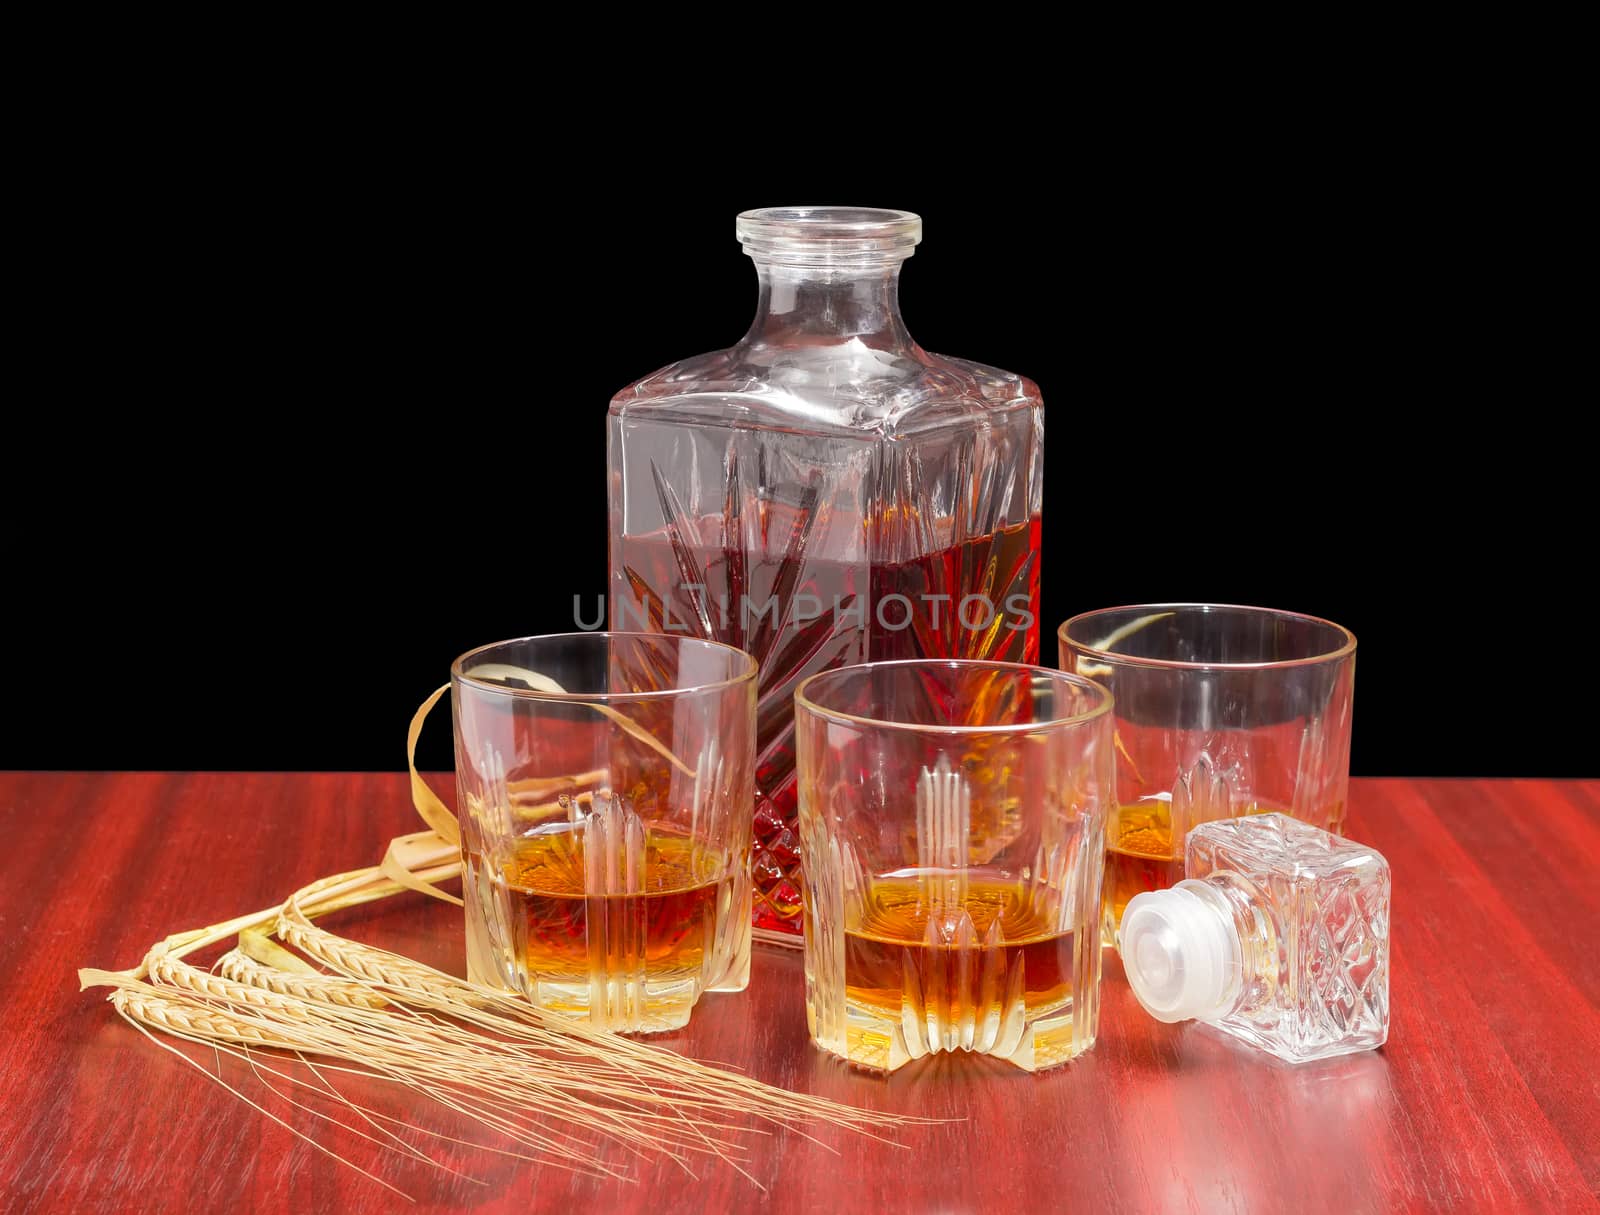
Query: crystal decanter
x=825 y=492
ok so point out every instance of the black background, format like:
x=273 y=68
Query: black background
x=314 y=416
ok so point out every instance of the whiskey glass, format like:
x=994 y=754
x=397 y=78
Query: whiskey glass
x=952 y=815
x=604 y=787
x=1221 y=711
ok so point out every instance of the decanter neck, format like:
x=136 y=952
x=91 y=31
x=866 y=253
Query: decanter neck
x=803 y=306
x=829 y=275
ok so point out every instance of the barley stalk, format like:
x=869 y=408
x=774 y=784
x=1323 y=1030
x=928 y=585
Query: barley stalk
x=190 y=1019
x=507 y=1015
x=201 y=1008
x=166 y=970
x=362 y=962
x=322 y=988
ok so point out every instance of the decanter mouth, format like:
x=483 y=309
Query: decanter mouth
x=829 y=236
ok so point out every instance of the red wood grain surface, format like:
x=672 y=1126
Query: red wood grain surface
x=1486 y=1097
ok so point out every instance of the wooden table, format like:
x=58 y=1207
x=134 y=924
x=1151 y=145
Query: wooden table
x=1486 y=1097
